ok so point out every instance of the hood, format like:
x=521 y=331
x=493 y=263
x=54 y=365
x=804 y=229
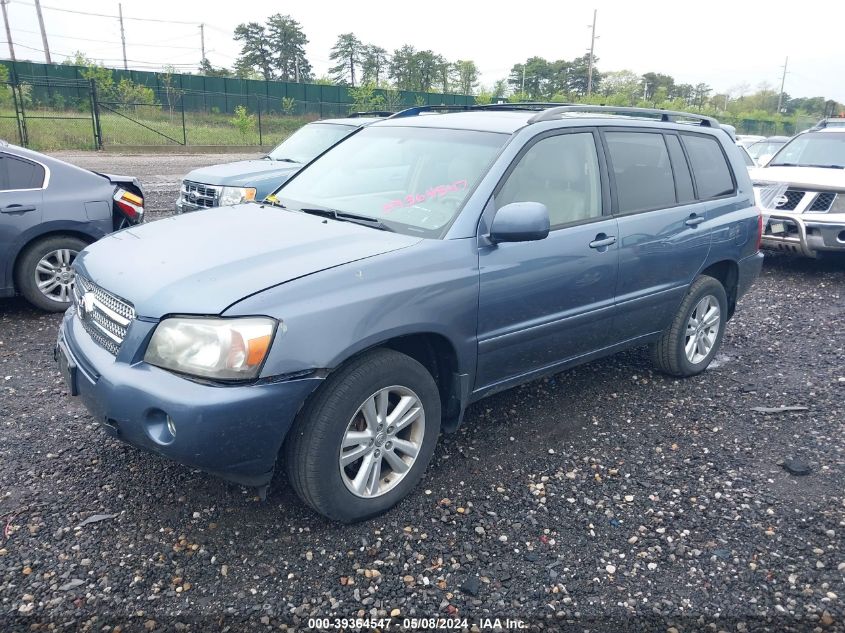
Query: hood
x=243 y=173
x=202 y=263
x=814 y=178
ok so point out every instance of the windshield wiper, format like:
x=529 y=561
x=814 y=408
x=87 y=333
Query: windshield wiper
x=342 y=216
x=806 y=165
x=285 y=160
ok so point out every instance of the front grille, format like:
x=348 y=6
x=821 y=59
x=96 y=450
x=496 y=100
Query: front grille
x=105 y=317
x=823 y=202
x=790 y=200
x=199 y=195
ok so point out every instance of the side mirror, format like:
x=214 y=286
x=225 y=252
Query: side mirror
x=520 y=222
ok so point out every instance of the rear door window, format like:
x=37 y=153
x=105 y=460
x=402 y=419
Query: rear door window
x=18 y=173
x=709 y=166
x=642 y=171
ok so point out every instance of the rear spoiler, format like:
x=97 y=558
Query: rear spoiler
x=123 y=181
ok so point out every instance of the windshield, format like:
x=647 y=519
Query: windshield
x=815 y=149
x=765 y=148
x=411 y=179
x=309 y=141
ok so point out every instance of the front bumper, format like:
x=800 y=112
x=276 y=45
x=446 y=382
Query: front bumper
x=234 y=432
x=805 y=234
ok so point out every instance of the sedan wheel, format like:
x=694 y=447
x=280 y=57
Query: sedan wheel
x=43 y=272
x=53 y=274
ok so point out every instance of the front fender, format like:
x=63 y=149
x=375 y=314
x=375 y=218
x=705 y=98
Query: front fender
x=431 y=287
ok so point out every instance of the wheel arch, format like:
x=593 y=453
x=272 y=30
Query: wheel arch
x=15 y=262
x=439 y=355
x=727 y=273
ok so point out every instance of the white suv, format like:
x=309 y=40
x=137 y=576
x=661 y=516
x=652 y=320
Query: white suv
x=802 y=194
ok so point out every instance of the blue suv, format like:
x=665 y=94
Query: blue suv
x=421 y=264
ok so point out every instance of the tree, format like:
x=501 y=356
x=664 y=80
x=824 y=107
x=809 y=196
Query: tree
x=700 y=93
x=256 y=50
x=288 y=47
x=171 y=90
x=656 y=81
x=374 y=64
x=530 y=79
x=622 y=83
x=402 y=67
x=276 y=51
x=466 y=75
x=348 y=53
x=210 y=71
x=578 y=75
x=500 y=88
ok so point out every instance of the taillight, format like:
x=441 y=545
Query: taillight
x=130 y=204
x=759 y=228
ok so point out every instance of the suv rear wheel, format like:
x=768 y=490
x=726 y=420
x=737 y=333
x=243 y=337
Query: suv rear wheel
x=43 y=275
x=688 y=346
x=364 y=441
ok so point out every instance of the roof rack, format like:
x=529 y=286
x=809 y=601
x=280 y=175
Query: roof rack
x=385 y=113
x=416 y=110
x=518 y=106
x=666 y=116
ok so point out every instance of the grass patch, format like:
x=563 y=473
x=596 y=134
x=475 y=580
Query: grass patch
x=50 y=130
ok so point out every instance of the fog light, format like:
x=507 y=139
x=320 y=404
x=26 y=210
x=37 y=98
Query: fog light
x=171 y=426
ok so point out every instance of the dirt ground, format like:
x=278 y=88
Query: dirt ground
x=605 y=498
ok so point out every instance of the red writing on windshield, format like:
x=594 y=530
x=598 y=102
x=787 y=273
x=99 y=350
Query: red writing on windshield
x=433 y=192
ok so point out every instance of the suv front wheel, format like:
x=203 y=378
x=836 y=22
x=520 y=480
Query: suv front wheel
x=365 y=439
x=690 y=343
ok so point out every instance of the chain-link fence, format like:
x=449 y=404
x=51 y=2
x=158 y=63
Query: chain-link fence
x=54 y=113
x=83 y=114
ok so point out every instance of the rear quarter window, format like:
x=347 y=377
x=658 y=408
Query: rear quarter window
x=710 y=169
x=20 y=174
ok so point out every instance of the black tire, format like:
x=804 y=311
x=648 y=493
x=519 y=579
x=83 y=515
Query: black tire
x=25 y=270
x=312 y=448
x=668 y=353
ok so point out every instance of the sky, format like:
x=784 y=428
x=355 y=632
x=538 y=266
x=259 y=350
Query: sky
x=731 y=46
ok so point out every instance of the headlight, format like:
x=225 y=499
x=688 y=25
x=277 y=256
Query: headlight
x=220 y=349
x=236 y=195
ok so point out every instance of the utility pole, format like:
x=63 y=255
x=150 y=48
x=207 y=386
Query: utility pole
x=782 y=81
x=43 y=31
x=202 y=40
x=122 y=34
x=8 y=30
x=645 y=90
x=592 y=47
x=523 y=79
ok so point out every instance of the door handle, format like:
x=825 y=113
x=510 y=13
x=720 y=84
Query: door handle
x=603 y=240
x=17 y=208
x=694 y=220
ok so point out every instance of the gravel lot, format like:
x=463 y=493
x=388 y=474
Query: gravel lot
x=607 y=498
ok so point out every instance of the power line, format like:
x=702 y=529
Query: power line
x=107 y=15
x=110 y=59
x=99 y=41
